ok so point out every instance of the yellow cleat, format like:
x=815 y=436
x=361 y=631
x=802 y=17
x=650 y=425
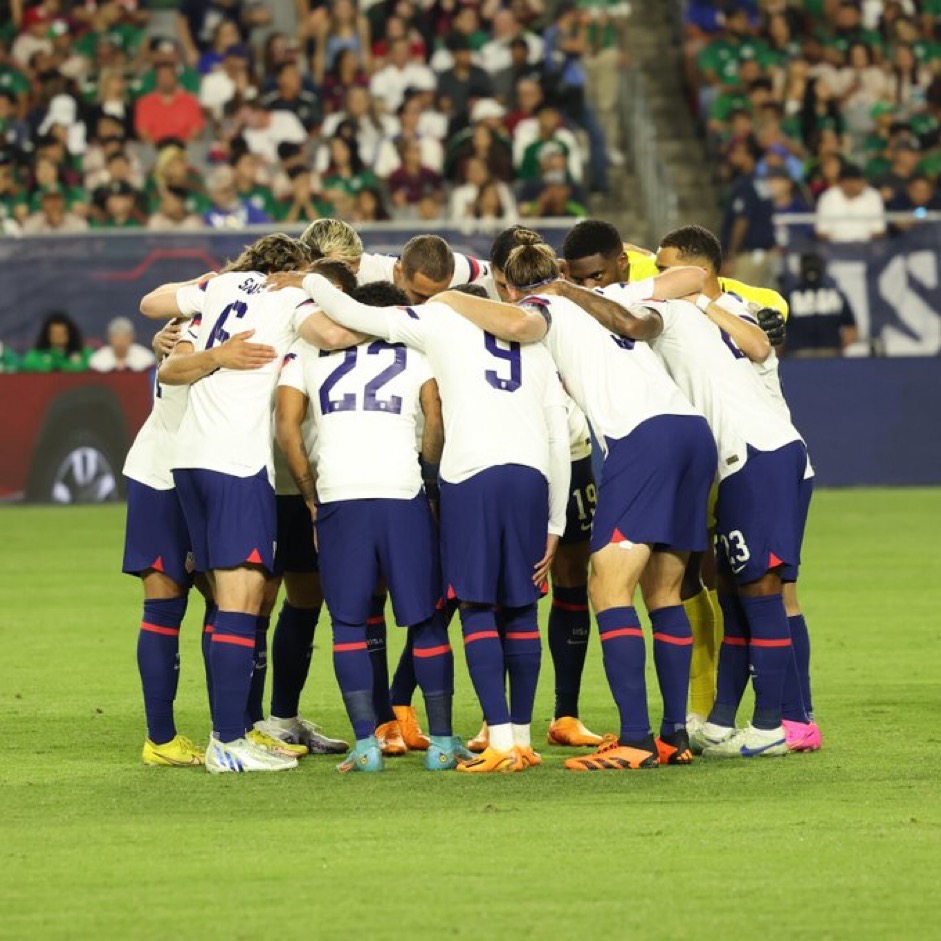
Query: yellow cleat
x=529 y=757
x=491 y=760
x=179 y=752
x=567 y=730
x=275 y=746
x=414 y=738
x=390 y=739
x=481 y=741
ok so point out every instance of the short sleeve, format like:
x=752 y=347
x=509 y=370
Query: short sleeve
x=191 y=298
x=301 y=313
x=292 y=369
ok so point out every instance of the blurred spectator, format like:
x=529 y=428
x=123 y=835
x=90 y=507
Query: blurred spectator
x=486 y=138
x=904 y=156
x=47 y=174
x=506 y=82
x=345 y=74
x=369 y=206
x=249 y=185
x=121 y=354
x=464 y=26
x=290 y=156
x=14 y=132
x=172 y=213
x=397 y=28
x=168 y=111
x=231 y=80
x=402 y=71
x=302 y=205
x=463 y=83
x=33 y=37
x=919 y=198
x=342 y=27
x=119 y=170
x=172 y=169
x=470 y=202
x=553 y=199
x=545 y=131
x=120 y=207
x=908 y=80
x=9 y=361
x=413 y=184
x=264 y=130
x=388 y=158
x=290 y=95
x=496 y=54
x=13 y=206
x=821 y=321
x=527 y=98
x=606 y=56
x=160 y=52
x=852 y=211
x=346 y=174
x=226 y=210
x=53 y=216
x=494 y=206
x=858 y=86
x=225 y=36
x=112 y=104
x=747 y=225
x=786 y=200
x=198 y=19
x=59 y=347
x=362 y=121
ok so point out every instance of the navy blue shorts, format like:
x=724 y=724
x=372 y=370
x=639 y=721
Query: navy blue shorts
x=295 y=552
x=583 y=498
x=231 y=520
x=493 y=532
x=655 y=485
x=761 y=514
x=156 y=536
x=359 y=540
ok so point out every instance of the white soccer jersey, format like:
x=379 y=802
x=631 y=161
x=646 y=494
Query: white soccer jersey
x=616 y=382
x=706 y=365
x=227 y=426
x=150 y=458
x=579 y=433
x=502 y=402
x=467 y=270
x=365 y=402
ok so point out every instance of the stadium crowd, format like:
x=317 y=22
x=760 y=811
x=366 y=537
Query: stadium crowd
x=123 y=114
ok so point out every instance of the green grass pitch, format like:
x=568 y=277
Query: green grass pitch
x=845 y=843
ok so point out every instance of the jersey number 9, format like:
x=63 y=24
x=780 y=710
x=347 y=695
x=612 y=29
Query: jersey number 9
x=510 y=354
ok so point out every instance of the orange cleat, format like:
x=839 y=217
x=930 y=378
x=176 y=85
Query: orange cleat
x=491 y=760
x=415 y=739
x=567 y=730
x=390 y=739
x=674 y=749
x=613 y=756
x=529 y=757
x=481 y=741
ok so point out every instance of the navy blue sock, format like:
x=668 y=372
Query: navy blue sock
x=434 y=667
x=255 y=709
x=353 y=667
x=522 y=654
x=800 y=646
x=404 y=680
x=732 y=675
x=569 y=630
x=624 y=654
x=232 y=656
x=292 y=645
x=158 y=660
x=208 y=620
x=376 y=645
x=672 y=655
x=769 y=648
x=484 y=654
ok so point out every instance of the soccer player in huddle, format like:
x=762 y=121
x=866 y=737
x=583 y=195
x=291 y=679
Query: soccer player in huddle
x=659 y=462
x=222 y=466
x=762 y=500
x=504 y=486
x=373 y=516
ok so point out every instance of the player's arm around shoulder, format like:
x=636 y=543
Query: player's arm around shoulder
x=504 y=321
x=175 y=298
x=635 y=321
x=747 y=335
x=185 y=365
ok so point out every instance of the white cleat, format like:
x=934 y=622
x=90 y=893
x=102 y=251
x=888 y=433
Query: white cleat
x=243 y=755
x=298 y=731
x=694 y=724
x=750 y=743
x=708 y=735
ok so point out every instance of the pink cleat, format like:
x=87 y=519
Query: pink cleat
x=802 y=736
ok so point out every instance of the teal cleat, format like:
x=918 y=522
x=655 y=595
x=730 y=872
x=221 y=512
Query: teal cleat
x=364 y=756
x=445 y=753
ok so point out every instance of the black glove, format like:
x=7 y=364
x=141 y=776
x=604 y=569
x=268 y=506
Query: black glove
x=772 y=322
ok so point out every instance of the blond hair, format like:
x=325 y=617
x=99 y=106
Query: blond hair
x=331 y=238
x=271 y=253
x=532 y=262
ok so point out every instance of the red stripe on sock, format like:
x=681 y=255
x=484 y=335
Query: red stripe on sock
x=623 y=632
x=159 y=629
x=522 y=635
x=735 y=641
x=565 y=606
x=207 y=628
x=481 y=635
x=786 y=642
x=670 y=639
x=432 y=651
x=381 y=619
x=233 y=639
x=344 y=648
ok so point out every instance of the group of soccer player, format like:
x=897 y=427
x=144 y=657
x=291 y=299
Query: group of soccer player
x=362 y=427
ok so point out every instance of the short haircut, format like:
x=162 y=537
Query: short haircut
x=695 y=241
x=336 y=272
x=531 y=263
x=334 y=238
x=271 y=253
x=380 y=294
x=475 y=290
x=592 y=237
x=121 y=325
x=429 y=255
x=504 y=243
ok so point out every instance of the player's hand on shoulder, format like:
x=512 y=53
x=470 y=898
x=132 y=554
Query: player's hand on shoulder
x=238 y=353
x=285 y=279
x=166 y=338
x=773 y=324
